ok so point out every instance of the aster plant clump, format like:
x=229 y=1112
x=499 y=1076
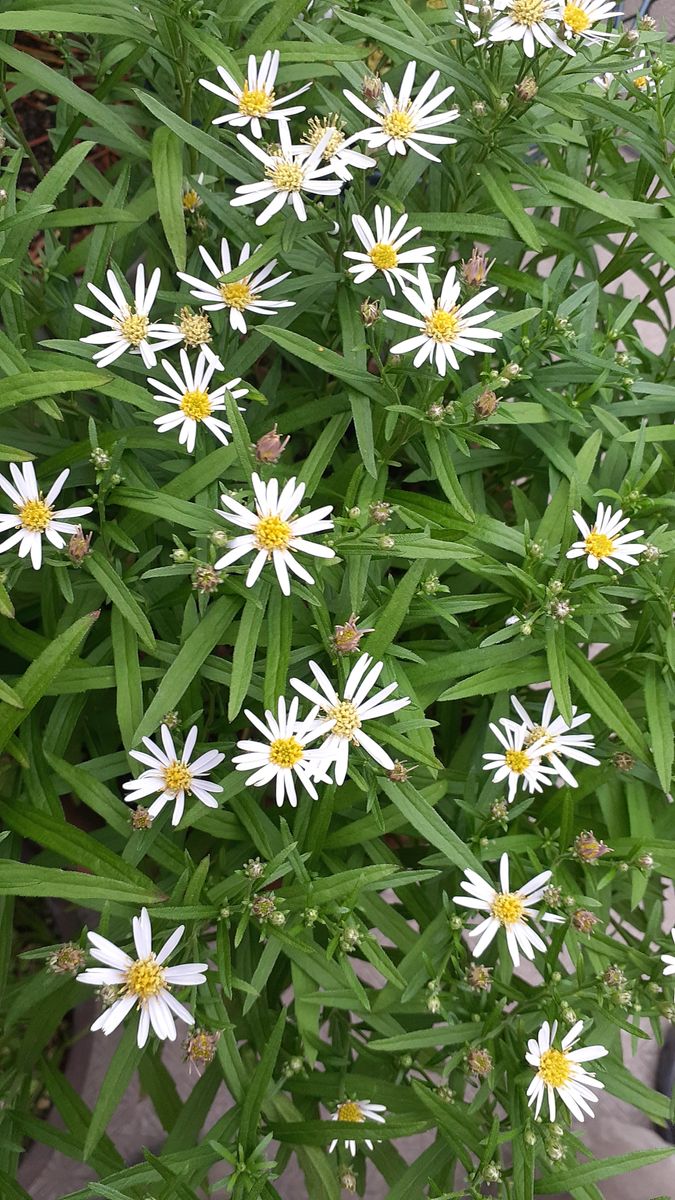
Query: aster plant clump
x=335 y=595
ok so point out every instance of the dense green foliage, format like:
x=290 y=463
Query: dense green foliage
x=570 y=190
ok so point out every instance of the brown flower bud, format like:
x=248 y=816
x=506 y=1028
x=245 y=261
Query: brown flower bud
x=66 y=959
x=141 y=819
x=371 y=87
x=584 y=921
x=479 y=977
x=380 y=512
x=370 y=312
x=527 y=89
x=78 y=546
x=270 y=447
x=346 y=638
x=200 y=1047
x=400 y=772
x=477 y=269
x=623 y=761
x=479 y=1062
x=613 y=977
x=205 y=579
x=485 y=405
x=588 y=848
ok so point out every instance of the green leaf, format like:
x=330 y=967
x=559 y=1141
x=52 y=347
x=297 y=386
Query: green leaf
x=428 y=824
x=22 y=879
x=600 y=1168
x=604 y=702
x=245 y=647
x=118 y=593
x=167 y=170
x=33 y=385
x=439 y=453
x=41 y=674
x=123 y=1064
x=395 y=611
x=556 y=657
x=254 y=1097
x=508 y=201
x=660 y=723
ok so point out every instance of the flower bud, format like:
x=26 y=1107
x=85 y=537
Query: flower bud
x=171 y=719
x=527 y=89
x=347 y=1179
x=436 y=412
x=254 y=868
x=350 y=938
x=380 y=512
x=479 y=1062
x=310 y=916
x=433 y=1005
x=370 y=312
x=219 y=538
x=140 y=819
x=205 y=579
x=346 y=638
x=645 y=862
x=270 y=446
x=67 y=959
x=371 y=87
x=445 y=1093
x=613 y=977
x=180 y=555
x=560 y=610
x=400 y=773
x=491 y=1173
x=199 y=1047
x=386 y=542
x=588 y=848
x=479 y=977
x=431 y=585
x=99 y=459
x=277 y=919
x=646 y=24
x=623 y=761
x=263 y=907
x=651 y=553
x=499 y=810
x=584 y=921
x=552 y=896
x=485 y=404
x=78 y=546
x=512 y=370
x=479 y=108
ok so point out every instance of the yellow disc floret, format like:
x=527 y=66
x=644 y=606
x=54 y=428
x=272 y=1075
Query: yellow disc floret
x=398 y=124
x=350 y=1111
x=575 y=18
x=195 y=327
x=507 y=908
x=517 y=761
x=346 y=719
x=196 y=404
x=35 y=516
x=134 y=328
x=255 y=102
x=555 y=1068
x=285 y=752
x=528 y=12
x=177 y=777
x=237 y=295
x=286 y=176
x=145 y=978
x=317 y=129
x=271 y=533
x=191 y=200
x=598 y=544
x=383 y=256
x=443 y=325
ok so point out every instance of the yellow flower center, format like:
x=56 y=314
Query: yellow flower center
x=177 y=778
x=350 y=1111
x=237 y=295
x=195 y=327
x=507 y=908
x=271 y=533
x=317 y=129
x=517 y=761
x=383 y=256
x=528 y=12
x=35 y=515
x=641 y=81
x=536 y=734
x=145 y=978
x=134 y=328
x=346 y=718
x=196 y=405
x=191 y=200
x=443 y=325
x=285 y=752
x=286 y=176
x=255 y=102
x=398 y=124
x=576 y=18
x=555 y=1068
x=598 y=544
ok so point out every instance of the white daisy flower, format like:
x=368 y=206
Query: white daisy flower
x=356 y=1111
x=556 y=737
x=444 y=326
x=242 y=296
x=173 y=775
x=338 y=152
x=343 y=716
x=277 y=533
x=192 y=402
x=144 y=982
x=288 y=173
x=284 y=753
x=561 y=1071
x=602 y=543
x=530 y=22
x=638 y=76
x=516 y=763
x=35 y=514
x=256 y=99
x=580 y=16
x=507 y=910
x=129 y=326
x=384 y=249
x=669 y=959
x=400 y=123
